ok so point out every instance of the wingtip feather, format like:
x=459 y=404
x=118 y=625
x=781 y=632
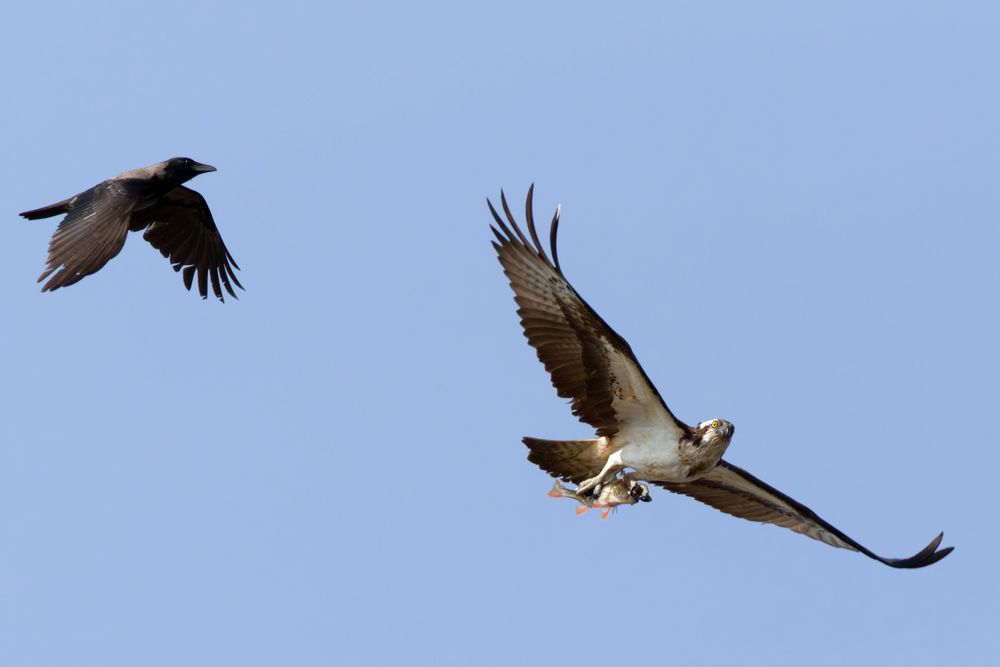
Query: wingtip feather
x=926 y=556
x=529 y=215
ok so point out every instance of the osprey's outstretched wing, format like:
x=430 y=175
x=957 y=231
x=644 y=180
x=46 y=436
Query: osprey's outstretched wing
x=734 y=491
x=588 y=362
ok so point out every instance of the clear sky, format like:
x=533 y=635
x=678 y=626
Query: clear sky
x=789 y=209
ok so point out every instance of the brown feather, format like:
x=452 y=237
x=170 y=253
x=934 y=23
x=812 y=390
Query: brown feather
x=732 y=490
x=569 y=460
x=570 y=338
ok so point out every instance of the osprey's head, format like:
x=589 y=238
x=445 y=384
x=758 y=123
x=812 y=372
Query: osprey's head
x=714 y=433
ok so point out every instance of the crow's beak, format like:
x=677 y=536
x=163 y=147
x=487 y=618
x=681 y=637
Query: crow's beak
x=202 y=168
x=646 y=499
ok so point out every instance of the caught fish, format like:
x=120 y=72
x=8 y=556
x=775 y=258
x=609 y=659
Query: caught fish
x=619 y=491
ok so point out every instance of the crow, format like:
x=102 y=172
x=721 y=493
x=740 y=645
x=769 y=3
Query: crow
x=176 y=219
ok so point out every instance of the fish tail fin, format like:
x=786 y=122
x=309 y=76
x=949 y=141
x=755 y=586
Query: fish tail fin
x=558 y=490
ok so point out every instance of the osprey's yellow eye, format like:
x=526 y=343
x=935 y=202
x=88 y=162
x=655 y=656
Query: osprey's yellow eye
x=715 y=423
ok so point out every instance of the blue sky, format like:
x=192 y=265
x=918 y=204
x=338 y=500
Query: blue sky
x=789 y=210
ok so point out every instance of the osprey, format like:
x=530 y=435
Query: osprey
x=176 y=219
x=594 y=367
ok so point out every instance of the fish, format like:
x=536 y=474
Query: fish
x=619 y=491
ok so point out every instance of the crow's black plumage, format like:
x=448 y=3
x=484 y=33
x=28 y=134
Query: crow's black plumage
x=177 y=221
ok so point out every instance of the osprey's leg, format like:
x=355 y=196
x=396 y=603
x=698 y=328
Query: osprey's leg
x=613 y=466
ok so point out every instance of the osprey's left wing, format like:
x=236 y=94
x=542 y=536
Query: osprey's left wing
x=734 y=491
x=588 y=362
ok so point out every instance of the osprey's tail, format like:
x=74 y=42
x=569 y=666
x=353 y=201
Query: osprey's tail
x=569 y=460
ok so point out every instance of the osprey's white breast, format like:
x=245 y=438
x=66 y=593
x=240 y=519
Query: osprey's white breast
x=654 y=455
